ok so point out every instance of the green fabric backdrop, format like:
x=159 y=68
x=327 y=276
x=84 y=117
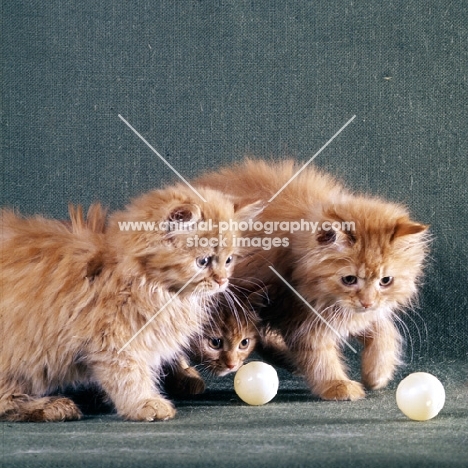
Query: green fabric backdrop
x=209 y=81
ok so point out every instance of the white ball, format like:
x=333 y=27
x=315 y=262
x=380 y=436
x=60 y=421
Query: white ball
x=256 y=383
x=420 y=396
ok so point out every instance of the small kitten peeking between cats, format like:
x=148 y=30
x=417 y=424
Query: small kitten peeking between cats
x=228 y=338
x=90 y=302
x=359 y=280
x=232 y=334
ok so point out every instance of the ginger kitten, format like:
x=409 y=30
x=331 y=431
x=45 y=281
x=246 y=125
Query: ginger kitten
x=355 y=278
x=98 y=303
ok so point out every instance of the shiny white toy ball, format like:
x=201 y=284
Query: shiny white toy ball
x=420 y=396
x=256 y=383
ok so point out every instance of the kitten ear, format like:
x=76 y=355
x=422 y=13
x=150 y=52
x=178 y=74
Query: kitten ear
x=326 y=237
x=406 y=228
x=188 y=214
x=339 y=239
x=250 y=211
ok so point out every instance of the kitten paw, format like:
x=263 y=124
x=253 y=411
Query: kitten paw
x=342 y=390
x=57 y=409
x=153 y=409
x=193 y=385
x=375 y=382
x=47 y=409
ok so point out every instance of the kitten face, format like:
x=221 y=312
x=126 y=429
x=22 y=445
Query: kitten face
x=178 y=245
x=374 y=266
x=227 y=354
x=227 y=341
x=177 y=263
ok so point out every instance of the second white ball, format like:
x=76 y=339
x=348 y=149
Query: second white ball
x=420 y=396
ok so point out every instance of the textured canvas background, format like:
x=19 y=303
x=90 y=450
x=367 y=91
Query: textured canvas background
x=207 y=82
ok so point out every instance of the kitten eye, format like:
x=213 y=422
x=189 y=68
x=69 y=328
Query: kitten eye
x=244 y=343
x=349 y=280
x=215 y=343
x=203 y=262
x=386 y=281
x=229 y=260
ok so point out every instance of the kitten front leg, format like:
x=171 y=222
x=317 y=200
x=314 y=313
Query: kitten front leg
x=129 y=383
x=182 y=379
x=381 y=355
x=273 y=350
x=318 y=358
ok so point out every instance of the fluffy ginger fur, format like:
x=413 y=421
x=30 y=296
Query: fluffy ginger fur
x=86 y=302
x=354 y=281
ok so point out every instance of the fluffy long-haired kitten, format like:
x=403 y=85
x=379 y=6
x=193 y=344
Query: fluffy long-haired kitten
x=90 y=302
x=353 y=270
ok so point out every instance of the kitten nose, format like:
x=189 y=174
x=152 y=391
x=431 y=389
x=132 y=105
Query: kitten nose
x=230 y=366
x=366 y=304
x=221 y=280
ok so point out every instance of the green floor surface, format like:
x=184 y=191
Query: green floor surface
x=294 y=430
